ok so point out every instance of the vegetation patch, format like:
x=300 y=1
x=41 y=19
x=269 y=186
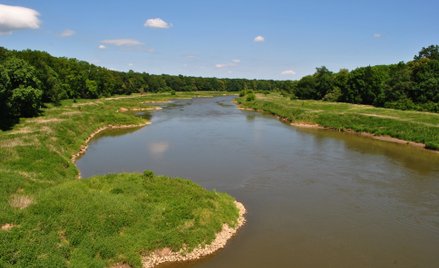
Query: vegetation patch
x=48 y=218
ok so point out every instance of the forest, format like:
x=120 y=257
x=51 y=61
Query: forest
x=29 y=79
x=406 y=86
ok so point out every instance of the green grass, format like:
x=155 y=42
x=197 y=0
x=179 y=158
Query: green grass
x=61 y=221
x=421 y=127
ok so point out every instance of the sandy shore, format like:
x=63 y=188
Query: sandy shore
x=123 y=110
x=167 y=255
x=306 y=125
x=363 y=134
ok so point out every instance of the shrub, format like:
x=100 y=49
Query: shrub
x=250 y=96
x=148 y=174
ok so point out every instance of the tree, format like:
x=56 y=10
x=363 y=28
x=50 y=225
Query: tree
x=91 y=89
x=306 y=88
x=366 y=85
x=21 y=73
x=5 y=92
x=324 y=80
x=431 y=52
x=26 y=101
x=399 y=84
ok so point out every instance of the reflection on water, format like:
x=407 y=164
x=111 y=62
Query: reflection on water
x=409 y=156
x=158 y=149
x=315 y=198
x=115 y=132
x=144 y=114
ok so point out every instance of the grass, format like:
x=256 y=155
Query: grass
x=420 y=127
x=60 y=221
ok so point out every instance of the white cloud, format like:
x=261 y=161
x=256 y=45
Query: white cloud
x=259 y=39
x=221 y=65
x=130 y=64
x=67 y=33
x=102 y=47
x=233 y=63
x=377 y=35
x=157 y=23
x=15 y=18
x=190 y=57
x=122 y=42
x=288 y=72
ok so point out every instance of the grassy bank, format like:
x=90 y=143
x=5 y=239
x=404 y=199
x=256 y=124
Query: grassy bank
x=48 y=218
x=419 y=127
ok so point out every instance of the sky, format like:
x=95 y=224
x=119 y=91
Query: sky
x=271 y=39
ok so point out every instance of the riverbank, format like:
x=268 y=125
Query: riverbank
x=49 y=218
x=419 y=129
x=167 y=255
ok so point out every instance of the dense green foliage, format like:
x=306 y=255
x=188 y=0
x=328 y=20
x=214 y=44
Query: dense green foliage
x=407 y=86
x=421 y=127
x=56 y=220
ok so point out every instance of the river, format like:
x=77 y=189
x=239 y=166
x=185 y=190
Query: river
x=315 y=198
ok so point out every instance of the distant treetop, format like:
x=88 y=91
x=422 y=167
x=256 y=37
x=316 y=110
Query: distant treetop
x=431 y=52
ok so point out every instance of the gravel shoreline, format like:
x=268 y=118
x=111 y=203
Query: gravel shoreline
x=167 y=255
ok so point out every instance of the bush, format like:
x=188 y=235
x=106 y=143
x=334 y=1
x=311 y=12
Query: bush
x=148 y=174
x=431 y=146
x=333 y=96
x=250 y=96
x=402 y=104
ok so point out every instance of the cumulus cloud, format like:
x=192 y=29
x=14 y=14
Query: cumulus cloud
x=121 y=42
x=16 y=18
x=102 y=47
x=67 y=33
x=288 y=72
x=377 y=35
x=259 y=39
x=157 y=23
x=233 y=63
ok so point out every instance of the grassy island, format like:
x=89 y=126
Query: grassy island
x=50 y=218
x=418 y=128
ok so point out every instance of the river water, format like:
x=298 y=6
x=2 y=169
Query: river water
x=315 y=198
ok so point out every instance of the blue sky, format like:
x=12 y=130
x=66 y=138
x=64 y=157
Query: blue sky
x=217 y=38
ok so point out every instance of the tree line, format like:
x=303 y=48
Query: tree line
x=28 y=79
x=409 y=86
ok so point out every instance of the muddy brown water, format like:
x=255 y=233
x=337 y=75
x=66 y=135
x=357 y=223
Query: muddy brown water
x=315 y=198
